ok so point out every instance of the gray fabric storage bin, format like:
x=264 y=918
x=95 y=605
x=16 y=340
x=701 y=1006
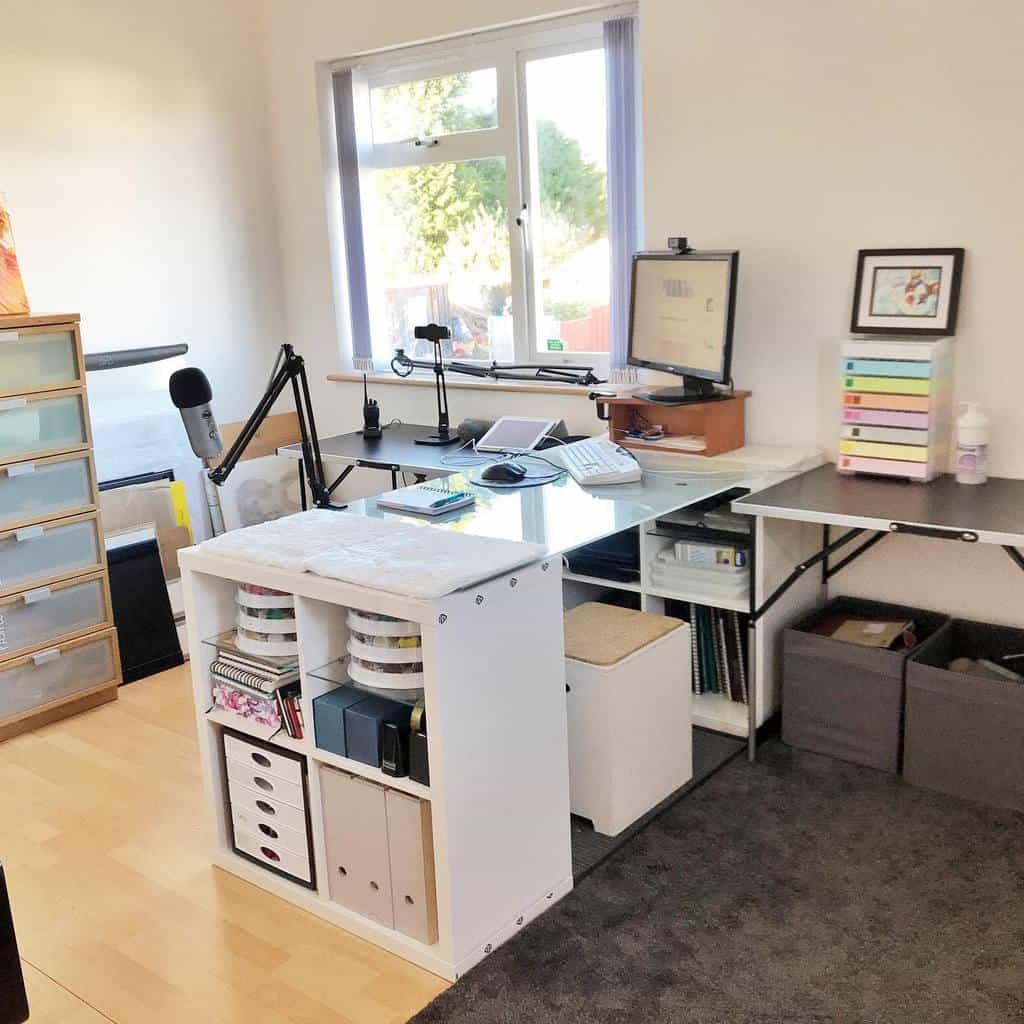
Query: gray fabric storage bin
x=965 y=734
x=843 y=699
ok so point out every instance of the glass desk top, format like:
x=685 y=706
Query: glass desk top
x=561 y=515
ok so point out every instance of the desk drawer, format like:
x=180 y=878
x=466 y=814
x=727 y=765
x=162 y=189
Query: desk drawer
x=38 y=359
x=261 y=760
x=34 y=618
x=32 y=492
x=256 y=824
x=38 y=679
x=264 y=784
x=258 y=806
x=35 y=425
x=888 y=385
x=34 y=555
x=273 y=854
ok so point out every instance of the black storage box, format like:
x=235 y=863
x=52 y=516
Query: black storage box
x=843 y=699
x=965 y=733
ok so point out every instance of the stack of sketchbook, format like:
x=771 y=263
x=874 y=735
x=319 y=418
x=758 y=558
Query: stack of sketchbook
x=263 y=689
x=718 y=648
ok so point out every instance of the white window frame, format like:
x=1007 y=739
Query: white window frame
x=508 y=51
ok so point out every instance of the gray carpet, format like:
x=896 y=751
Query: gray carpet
x=799 y=890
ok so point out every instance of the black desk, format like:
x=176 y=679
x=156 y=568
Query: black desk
x=991 y=513
x=396 y=452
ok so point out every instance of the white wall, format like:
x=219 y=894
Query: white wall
x=134 y=160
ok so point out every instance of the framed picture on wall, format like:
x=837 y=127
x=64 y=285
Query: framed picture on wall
x=907 y=291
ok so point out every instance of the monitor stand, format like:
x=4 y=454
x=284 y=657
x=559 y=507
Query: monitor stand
x=693 y=391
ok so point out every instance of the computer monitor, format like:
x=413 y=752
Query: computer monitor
x=681 y=319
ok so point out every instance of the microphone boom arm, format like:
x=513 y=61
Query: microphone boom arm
x=289 y=367
x=582 y=375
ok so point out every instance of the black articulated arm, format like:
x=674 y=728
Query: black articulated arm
x=288 y=368
x=403 y=365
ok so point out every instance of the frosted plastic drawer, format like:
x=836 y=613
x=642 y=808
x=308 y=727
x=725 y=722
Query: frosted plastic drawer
x=32 y=492
x=36 y=359
x=36 y=554
x=58 y=672
x=31 y=425
x=290 y=839
x=264 y=784
x=261 y=807
x=32 y=618
x=269 y=852
x=259 y=758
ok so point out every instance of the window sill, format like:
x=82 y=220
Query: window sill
x=415 y=381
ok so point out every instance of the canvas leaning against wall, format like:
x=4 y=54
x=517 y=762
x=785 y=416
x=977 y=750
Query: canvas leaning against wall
x=12 y=290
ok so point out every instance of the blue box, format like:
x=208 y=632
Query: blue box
x=329 y=717
x=363 y=723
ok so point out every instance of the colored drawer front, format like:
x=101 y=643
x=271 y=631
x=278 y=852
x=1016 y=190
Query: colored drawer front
x=902 y=350
x=888 y=368
x=34 y=554
x=33 y=618
x=886 y=418
x=36 y=359
x=873 y=450
x=888 y=385
x=883 y=467
x=32 y=492
x=34 y=425
x=36 y=680
x=887 y=435
x=897 y=403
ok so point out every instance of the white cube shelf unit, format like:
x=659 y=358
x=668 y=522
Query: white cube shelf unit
x=494 y=688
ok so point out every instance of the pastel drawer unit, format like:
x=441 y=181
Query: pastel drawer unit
x=874 y=450
x=40 y=358
x=894 y=403
x=260 y=807
x=66 y=671
x=273 y=854
x=886 y=418
x=32 y=426
x=36 y=618
x=42 y=489
x=888 y=368
x=884 y=467
x=261 y=782
x=887 y=385
x=32 y=556
x=886 y=435
x=257 y=757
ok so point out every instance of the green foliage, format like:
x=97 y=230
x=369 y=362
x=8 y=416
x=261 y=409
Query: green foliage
x=430 y=206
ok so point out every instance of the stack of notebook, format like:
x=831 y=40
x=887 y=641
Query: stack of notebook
x=718 y=647
x=262 y=688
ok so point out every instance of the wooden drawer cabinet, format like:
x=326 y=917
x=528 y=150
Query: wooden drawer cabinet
x=58 y=648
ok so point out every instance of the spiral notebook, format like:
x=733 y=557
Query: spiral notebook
x=429 y=499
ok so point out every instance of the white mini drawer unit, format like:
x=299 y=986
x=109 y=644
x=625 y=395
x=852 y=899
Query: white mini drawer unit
x=268 y=803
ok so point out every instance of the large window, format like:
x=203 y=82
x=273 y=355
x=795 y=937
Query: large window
x=483 y=196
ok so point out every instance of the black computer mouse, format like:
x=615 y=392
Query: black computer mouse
x=510 y=472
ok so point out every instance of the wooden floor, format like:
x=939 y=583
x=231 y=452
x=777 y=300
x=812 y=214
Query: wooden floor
x=120 y=916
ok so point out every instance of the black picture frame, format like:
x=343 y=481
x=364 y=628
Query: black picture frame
x=948 y=328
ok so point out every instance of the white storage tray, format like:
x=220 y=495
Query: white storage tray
x=258 y=806
x=265 y=625
x=259 y=758
x=376 y=627
x=264 y=784
x=385 y=655
x=271 y=852
x=385 y=680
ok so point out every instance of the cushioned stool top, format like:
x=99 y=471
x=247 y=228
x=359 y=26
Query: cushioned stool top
x=601 y=634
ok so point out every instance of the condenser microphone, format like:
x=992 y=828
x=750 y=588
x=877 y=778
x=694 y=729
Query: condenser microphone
x=191 y=393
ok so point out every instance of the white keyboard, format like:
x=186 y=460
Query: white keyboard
x=599 y=461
